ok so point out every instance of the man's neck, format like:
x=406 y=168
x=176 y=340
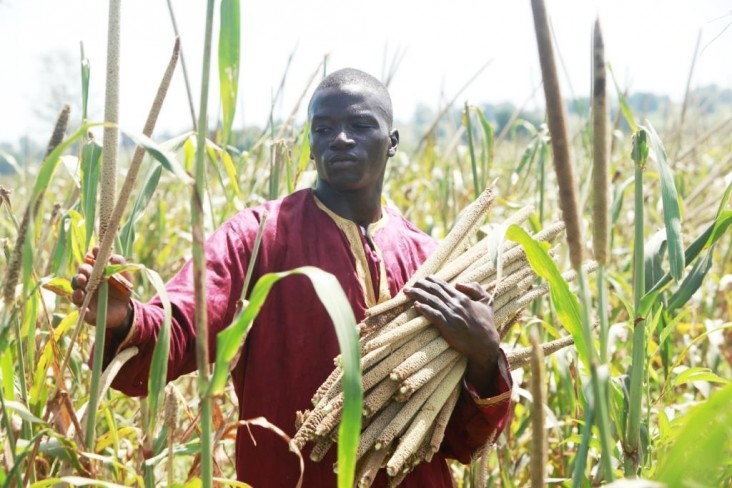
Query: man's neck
x=360 y=206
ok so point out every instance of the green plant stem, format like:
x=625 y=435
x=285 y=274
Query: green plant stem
x=602 y=312
x=598 y=382
x=580 y=462
x=26 y=429
x=148 y=475
x=632 y=436
x=199 y=264
x=715 y=298
x=100 y=331
x=11 y=437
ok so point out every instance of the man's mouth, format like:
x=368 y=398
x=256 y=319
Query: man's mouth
x=339 y=161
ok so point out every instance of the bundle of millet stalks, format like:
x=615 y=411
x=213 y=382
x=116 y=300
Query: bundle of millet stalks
x=411 y=376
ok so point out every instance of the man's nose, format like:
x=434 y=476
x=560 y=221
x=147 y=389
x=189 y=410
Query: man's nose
x=341 y=139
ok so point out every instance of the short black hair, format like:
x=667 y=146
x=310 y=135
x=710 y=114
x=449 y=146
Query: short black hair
x=352 y=76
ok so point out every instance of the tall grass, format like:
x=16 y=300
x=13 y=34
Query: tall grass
x=661 y=304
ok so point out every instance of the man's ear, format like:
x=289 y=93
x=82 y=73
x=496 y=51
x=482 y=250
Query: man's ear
x=394 y=140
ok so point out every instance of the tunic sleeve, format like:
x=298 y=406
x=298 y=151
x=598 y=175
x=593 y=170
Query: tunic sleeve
x=476 y=421
x=227 y=253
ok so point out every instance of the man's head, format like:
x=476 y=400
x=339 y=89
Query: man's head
x=352 y=77
x=351 y=137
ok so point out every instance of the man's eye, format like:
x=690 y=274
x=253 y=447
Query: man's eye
x=362 y=126
x=320 y=129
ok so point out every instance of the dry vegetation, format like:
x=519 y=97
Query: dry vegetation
x=658 y=363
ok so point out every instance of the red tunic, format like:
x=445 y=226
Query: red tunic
x=290 y=349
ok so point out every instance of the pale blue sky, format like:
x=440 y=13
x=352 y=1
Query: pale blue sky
x=649 y=43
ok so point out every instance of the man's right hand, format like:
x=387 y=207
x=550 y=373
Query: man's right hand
x=119 y=303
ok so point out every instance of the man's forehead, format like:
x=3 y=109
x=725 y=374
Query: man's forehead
x=357 y=98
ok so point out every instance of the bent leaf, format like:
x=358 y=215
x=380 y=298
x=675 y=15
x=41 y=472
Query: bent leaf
x=565 y=302
x=671 y=211
x=698 y=374
x=22 y=411
x=165 y=158
x=697 y=454
x=336 y=304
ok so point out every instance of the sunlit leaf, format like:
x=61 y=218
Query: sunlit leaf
x=75 y=481
x=692 y=282
x=22 y=411
x=698 y=452
x=698 y=374
x=159 y=365
x=671 y=210
x=127 y=232
x=164 y=157
x=90 y=171
x=336 y=304
x=565 y=302
x=229 y=62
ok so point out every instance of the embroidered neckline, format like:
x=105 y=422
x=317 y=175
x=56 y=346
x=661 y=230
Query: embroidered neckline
x=352 y=231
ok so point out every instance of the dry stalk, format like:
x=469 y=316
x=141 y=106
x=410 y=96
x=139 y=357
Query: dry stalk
x=374 y=328
x=419 y=359
x=410 y=441
x=396 y=481
x=379 y=396
x=513 y=278
x=520 y=357
x=334 y=408
x=112 y=223
x=373 y=323
x=411 y=327
x=538 y=392
x=110 y=147
x=376 y=427
x=505 y=326
x=417 y=380
x=307 y=430
x=410 y=409
x=321 y=448
x=369 y=466
x=171 y=422
x=513 y=292
x=480 y=249
x=485 y=267
x=327 y=385
x=512 y=307
x=437 y=259
x=558 y=130
x=441 y=423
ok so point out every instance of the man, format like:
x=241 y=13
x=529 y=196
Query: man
x=341 y=227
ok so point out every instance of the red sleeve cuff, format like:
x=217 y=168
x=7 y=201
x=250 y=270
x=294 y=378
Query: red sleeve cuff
x=504 y=384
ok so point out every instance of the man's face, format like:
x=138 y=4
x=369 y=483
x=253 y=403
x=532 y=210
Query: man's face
x=350 y=139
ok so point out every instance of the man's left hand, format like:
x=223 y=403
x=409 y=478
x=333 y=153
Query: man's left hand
x=464 y=317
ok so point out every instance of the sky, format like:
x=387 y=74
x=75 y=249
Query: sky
x=649 y=43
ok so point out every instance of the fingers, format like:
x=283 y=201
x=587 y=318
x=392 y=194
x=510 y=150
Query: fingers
x=473 y=290
x=84 y=271
x=435 y=299
x=77 y=296
x=434 y=315
x=431 y=289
